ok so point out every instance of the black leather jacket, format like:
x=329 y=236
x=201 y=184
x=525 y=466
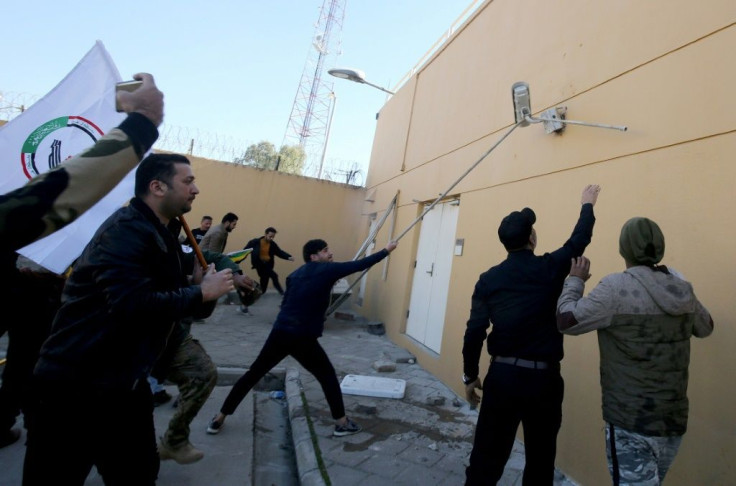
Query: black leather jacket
x=127 y=291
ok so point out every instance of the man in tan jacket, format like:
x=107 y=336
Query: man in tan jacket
x=216 y=237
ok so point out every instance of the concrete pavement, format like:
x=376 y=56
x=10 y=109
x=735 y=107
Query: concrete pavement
x=423 y=438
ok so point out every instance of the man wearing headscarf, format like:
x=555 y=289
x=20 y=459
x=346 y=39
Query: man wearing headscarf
x=645 y=317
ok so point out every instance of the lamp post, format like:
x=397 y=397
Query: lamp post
x=355 y=75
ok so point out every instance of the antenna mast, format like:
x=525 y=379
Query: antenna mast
x=309 y=121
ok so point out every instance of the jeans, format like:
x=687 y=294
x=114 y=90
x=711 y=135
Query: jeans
x=307 y=351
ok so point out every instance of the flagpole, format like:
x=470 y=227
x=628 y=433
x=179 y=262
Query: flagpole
x=193 y=242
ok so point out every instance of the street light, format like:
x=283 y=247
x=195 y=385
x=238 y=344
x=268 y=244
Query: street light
x=355 y=75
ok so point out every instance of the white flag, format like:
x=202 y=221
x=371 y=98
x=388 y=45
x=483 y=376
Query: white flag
x=70 y=118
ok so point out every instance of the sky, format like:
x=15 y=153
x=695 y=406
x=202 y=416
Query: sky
x=229 y=69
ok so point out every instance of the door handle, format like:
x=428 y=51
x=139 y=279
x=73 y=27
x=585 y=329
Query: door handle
x=431 y=270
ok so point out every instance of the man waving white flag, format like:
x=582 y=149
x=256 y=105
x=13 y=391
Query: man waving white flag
x=69 y=119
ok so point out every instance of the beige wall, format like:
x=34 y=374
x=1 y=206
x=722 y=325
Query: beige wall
x=300 y=209
x=664 y=69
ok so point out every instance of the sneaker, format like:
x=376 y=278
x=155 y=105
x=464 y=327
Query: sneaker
x=244 y=310
x=8 y=437
x=184 y=454
x=214 y=427
x=349 y=428
x=161 y=397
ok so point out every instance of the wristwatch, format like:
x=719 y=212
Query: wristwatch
x=468 y=381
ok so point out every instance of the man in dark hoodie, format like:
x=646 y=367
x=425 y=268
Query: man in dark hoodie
x=645 y=317
x=298 y=326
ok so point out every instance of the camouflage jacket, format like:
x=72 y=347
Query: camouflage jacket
x=644 y=319
x=58 y=197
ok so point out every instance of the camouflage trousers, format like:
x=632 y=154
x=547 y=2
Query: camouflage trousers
x=639 y=460
x=194 y=373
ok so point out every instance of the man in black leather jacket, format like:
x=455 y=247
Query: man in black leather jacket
x=125 y=295
x=45 y=204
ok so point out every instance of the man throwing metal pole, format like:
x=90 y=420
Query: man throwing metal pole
x=297 y=328
x=126 y=294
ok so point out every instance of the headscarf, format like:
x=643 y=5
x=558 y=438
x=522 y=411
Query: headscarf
x=641 y=242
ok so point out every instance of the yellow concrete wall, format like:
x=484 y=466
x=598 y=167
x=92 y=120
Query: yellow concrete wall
x=300 y=208
x=663 y=68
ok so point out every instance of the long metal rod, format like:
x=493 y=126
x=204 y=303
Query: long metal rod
x=345 y=295
x=442 y=196
x=391 y=230
x=377 y=87
x=373 y=233
x=573 y=122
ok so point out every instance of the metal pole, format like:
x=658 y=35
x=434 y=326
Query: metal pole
x=377 y=87
x=573 y=122
x=441 y=196
x=391 y=230
x=343 y=297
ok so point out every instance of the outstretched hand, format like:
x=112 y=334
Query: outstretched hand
x=580 y=267
x=590 y=194
x=471 y=395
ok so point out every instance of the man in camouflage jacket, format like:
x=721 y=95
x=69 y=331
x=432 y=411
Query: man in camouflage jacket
x=645 y=317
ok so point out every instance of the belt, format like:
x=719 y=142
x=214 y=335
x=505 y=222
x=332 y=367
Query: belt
x=524 y=363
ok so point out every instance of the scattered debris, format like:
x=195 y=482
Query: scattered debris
x=383 y=366
x=366 y=409
x=436 y=400
x=400 y=356
x=376 y=328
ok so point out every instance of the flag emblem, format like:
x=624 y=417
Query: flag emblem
x=55 y=141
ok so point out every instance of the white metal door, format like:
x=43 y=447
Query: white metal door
x=432 y=275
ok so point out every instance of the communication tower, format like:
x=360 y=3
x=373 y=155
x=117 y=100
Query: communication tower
x=310 y=114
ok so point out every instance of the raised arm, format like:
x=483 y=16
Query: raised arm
x=56 y=198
